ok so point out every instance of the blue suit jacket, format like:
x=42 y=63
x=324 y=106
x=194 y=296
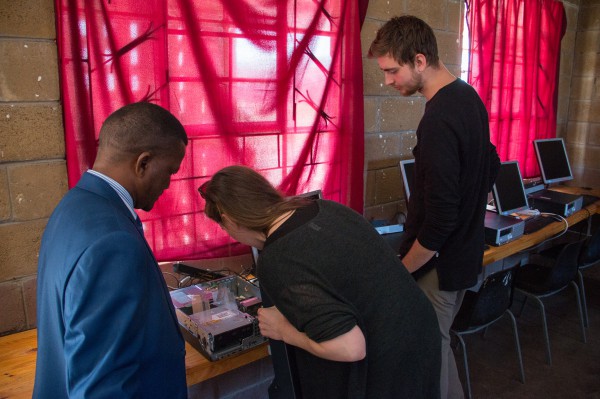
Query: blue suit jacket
x=106 y=324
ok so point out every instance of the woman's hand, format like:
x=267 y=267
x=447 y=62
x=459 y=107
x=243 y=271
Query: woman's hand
x=348 y=347
x=272 y=323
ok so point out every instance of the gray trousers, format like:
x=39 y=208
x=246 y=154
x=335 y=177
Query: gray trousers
x=446 y=305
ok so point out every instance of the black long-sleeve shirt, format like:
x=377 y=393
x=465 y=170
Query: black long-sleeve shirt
x=455 y=167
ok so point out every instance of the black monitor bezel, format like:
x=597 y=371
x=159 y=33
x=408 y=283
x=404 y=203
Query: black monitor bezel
x=495 y=192
x=545 y=179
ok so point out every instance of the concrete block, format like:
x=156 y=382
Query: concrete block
x=586 y=64
x=409 y=141
x=449 y=47
x=373 y=80
x=584 y=111
x=29 y=300
x=368 y=33
x=584 y=156
x=577 y=133
x=31 y=132
x=562 y=111
x=571 y=11
x=388 y=185
x=588 y=3
x=401 y=113
x=382 y=150
x=19 y=248
x=586 y=177
x=27 y=18
x=587 y=42
x=383 y=10
x=561 y=128
x=456 y=16
x=28 y=70
x=36 y=188
x=371 y=114
x=4 y=195
x=370 y=187
x=12 y=313
x=432 y=11
x=589 y=18
x=582 y=88
x=567 y=46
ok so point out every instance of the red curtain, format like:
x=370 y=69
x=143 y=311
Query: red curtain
x=514 y=66
x=276 y=85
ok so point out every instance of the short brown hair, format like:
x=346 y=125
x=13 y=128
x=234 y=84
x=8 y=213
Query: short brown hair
x=403 y=38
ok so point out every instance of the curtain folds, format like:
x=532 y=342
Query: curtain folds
x=275 y=85
x=514 y=66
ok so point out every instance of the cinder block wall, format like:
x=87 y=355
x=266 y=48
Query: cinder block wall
x=32 y=155
x=32 y=160
x=582 y=120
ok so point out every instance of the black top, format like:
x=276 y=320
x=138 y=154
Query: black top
x=327 y=269
x=455 y=168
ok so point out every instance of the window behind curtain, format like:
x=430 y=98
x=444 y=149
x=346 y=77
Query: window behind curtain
x=275 y=85
x=514 y=66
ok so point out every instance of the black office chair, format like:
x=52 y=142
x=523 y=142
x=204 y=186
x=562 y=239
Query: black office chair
x=536 y=281
x=483 y=308
x=588 y=256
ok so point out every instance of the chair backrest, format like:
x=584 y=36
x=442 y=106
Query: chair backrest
x=566 y=266
x=590 y=251
x=489 y=303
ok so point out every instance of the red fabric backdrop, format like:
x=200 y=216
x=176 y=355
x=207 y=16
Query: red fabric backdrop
x=276 y=85
x=514 y=65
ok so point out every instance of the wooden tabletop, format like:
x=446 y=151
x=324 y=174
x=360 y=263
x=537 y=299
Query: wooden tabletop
x=18 y=353
x=527 y=241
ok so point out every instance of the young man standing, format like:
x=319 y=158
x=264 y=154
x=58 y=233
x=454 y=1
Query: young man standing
x=455 y=167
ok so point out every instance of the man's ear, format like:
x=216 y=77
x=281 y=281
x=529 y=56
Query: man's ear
x=420 y=62
x=141 y=163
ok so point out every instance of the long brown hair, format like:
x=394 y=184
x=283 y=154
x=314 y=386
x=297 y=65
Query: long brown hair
x=246 y=197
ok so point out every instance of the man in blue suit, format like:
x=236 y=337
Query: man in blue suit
x=106 y=324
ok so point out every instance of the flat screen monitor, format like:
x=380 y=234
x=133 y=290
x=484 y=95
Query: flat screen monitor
x=553 y=160
x=508 y=191
x=407 y=168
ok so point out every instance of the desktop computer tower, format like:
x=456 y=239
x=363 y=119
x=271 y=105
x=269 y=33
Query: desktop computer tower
x=500 y=229
x=550 y=201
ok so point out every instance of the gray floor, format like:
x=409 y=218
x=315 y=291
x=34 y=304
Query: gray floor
x=575 y=370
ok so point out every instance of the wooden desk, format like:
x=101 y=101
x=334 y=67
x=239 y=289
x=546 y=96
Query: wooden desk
x=18 y=353
x=527 y=241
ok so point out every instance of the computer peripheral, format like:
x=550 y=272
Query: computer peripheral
x=219 y=317
x=529 y=212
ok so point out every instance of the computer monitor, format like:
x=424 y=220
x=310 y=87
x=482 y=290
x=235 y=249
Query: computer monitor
x=508 y=191
x=407 y=168
x=553 y=160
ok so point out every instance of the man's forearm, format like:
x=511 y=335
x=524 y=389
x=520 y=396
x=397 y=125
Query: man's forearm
x=417 y=256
